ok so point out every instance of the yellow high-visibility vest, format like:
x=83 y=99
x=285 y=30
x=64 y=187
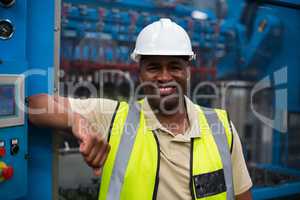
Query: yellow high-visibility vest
x=131 y=171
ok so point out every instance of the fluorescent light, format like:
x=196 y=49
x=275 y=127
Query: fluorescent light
x=197 y=14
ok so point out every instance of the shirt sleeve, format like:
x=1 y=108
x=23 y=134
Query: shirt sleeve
x=241 y=179
x=98 y=112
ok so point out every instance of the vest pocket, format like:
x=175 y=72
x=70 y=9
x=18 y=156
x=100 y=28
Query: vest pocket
x=209 y=184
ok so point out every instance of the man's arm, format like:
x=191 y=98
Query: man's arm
x=50 y=111
x=55 y=112
x=241 y=179
x=244 y=196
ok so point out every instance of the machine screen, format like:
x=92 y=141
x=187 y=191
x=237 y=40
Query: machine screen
x=7 y=100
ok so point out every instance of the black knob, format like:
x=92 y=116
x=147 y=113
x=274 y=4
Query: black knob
x=14 y=149
x=6 y=29
x=7 y=3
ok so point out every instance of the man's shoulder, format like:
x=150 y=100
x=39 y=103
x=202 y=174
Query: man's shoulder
x=192 y=105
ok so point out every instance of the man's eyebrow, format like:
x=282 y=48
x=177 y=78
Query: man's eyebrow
x=151 y=63
x=176 y=62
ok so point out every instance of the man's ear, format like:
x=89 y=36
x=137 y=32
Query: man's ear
x=140 y=72
x=188 y=71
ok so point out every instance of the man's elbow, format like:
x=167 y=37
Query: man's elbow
x=244 y=196
x=37 y=106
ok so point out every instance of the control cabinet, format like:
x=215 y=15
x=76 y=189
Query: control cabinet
x=27 y=60
x=13 y=126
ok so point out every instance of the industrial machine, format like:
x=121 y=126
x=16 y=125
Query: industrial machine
x=27 y=67
x=262 y=53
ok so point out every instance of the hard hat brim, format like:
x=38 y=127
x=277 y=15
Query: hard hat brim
x=137 y=56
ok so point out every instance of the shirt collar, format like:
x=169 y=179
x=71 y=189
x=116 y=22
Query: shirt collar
x=154 y=124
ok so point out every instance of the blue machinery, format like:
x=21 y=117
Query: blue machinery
x=256 y=37
x=266 y=42
x=27 y=59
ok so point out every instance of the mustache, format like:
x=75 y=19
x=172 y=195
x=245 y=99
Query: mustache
x=167 y=84
x=156 y=85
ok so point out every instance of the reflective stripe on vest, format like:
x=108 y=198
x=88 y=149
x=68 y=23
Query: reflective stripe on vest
x=207 y=172
x=123 y=154
x=219 y=134
x=140 y=178
x=132 y=167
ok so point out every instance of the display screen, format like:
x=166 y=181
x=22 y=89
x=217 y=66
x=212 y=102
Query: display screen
x=7 y=100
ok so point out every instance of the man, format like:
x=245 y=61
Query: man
x=162 y=147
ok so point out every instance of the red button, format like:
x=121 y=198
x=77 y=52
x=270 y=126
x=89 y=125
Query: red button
x=2 y=152
x=7 y=173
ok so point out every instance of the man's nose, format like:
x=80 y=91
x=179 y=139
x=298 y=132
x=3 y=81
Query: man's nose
x=165 y=76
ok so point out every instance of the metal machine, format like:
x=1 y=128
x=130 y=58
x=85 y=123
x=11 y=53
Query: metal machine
x=27 y=60
x=263 y=51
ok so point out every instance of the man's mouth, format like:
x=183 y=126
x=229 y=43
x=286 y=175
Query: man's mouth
x=167 y=90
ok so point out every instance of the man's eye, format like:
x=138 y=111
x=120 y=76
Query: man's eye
x=176 y=67
x=152 y=68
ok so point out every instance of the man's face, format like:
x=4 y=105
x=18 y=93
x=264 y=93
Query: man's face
x=164 y=80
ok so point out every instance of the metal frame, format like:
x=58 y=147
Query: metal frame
x=56 y=137
x=283 y=3
x=283 y=190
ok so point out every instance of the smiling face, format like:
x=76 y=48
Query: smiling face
x=164 y=80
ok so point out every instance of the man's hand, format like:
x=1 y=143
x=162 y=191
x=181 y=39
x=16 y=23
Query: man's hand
x=93 y=146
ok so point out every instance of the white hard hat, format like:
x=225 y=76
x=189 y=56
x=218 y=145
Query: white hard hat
x=163 y=37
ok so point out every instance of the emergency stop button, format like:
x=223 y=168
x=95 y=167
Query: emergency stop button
x=6 y=172
x=2 y=151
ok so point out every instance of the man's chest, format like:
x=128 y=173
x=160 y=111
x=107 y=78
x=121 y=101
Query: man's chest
x=174 y=172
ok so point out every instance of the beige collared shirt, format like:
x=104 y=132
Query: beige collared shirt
x=174 y=175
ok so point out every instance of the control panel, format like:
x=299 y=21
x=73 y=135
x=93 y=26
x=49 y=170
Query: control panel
x=29 y=35
x=13 y=126
x=13 y=137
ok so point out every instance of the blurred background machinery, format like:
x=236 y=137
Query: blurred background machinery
x=249 y=51
x=247 y=62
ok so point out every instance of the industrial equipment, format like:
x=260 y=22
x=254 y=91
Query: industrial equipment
x=262 y=50
x=26 y=68
x=13 y=147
